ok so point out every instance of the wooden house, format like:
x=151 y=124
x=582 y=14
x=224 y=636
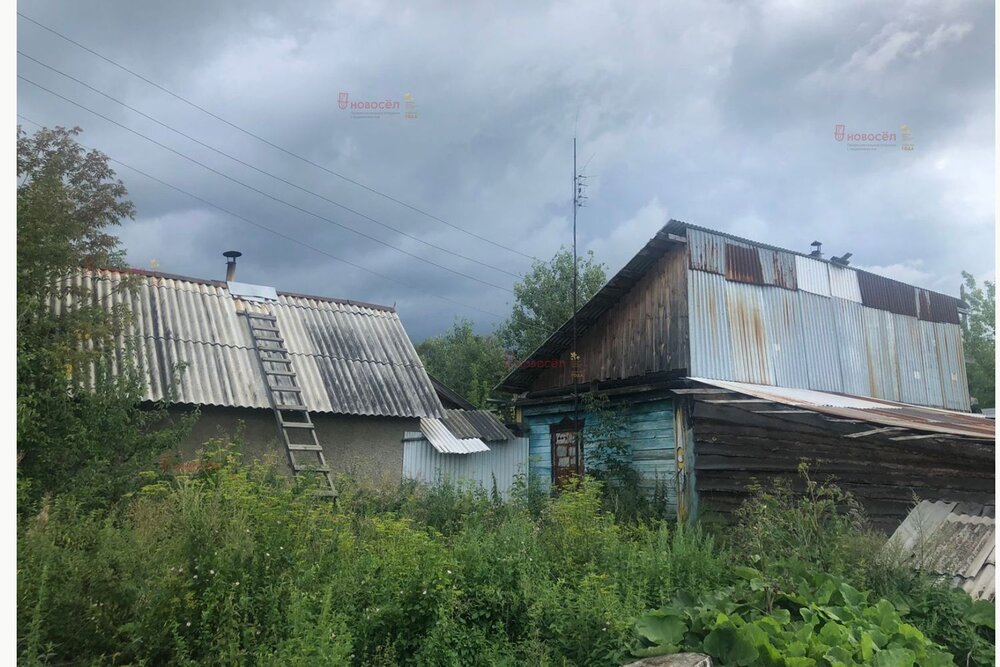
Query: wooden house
x=734 y=360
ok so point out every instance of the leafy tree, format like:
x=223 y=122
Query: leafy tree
x=78 y=423
x=466 y=362
x=544 y=300
x=979 y=339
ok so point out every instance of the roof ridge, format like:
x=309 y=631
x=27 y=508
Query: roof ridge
x=221 y=283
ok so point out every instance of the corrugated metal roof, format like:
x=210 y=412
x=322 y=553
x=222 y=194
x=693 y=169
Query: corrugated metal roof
x=350 y=358
x=957 y=540
x=443 y=440
x=874 y=410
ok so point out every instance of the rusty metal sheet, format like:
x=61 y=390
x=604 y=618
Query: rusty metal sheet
x=951 y=358
x=873 y=410
x=778 y=268
x=706 y=251
x=743 y=265
x=935 y=307
x=887 y=294
x=880 y=344
x=747 y=332
x=708 y=326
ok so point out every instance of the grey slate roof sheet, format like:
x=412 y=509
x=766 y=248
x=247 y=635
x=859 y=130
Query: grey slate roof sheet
x=350 y=357
x=957 y=540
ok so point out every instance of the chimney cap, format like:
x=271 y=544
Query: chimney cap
x=232 y=254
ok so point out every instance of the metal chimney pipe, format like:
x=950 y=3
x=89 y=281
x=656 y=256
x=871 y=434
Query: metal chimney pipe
x=231 y=256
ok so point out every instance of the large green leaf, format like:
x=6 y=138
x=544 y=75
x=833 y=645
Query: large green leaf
x=661 y=627
x=895 y=657
x=982 y=612
x=730 y=646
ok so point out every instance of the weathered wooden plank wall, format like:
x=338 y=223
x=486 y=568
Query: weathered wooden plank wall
x=651 y=436
x=645 y=332
x=735 y=447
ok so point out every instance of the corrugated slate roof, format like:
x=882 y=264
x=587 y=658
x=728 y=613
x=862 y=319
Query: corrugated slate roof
x=957 y=540
x=350 y=357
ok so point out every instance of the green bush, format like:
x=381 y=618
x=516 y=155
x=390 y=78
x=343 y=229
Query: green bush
x=820 y=621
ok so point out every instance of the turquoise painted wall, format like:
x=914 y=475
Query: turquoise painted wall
x=651 y=436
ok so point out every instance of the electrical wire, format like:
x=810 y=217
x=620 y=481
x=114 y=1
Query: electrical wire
x=272 y=144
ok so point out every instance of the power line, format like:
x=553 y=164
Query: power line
x=275 y=232
x=291 y=238
x=274 y=145
x=262 y=171
x=261 y=192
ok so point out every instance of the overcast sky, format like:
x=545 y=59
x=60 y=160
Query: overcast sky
x=720 y=114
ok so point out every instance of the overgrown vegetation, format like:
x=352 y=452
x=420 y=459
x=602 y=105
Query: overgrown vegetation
x=79 y=426
x=235 y=565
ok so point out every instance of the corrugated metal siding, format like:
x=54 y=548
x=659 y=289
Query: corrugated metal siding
x=778 y=268
x=822 y=347
x=706 y=252
x=784 y=335
x=743 y=264
x=844 y=283
x=763 y=335
x=813 y=276
x=910 y=359
x=887 y=294
x=502 y=465
x=487 y=426
x=850 y=336
x=651 y=436
x=935 y=307
x=708 y=326
x=350 y=358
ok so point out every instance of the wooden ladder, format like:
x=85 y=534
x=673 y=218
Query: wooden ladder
x=287 y=401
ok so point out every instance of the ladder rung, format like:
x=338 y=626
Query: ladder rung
x=260 y=316
x=282 y=373
x=292 y=408
x=305 y=448
x=257 y=327
x=287 y=390
x=299 y=468
x=270 y=340
x=278 y=361
x=297 y=424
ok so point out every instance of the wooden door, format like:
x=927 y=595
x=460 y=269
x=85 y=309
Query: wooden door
x=567 y=451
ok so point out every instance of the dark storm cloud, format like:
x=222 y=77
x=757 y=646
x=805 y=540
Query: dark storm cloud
x=719 y=114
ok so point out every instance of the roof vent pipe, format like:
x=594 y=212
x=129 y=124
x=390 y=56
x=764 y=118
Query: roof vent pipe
x=231 y=256
x=817 y=249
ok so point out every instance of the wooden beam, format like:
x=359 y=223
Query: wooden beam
x=920 y=437
x=703 y=391
x=874 y=431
